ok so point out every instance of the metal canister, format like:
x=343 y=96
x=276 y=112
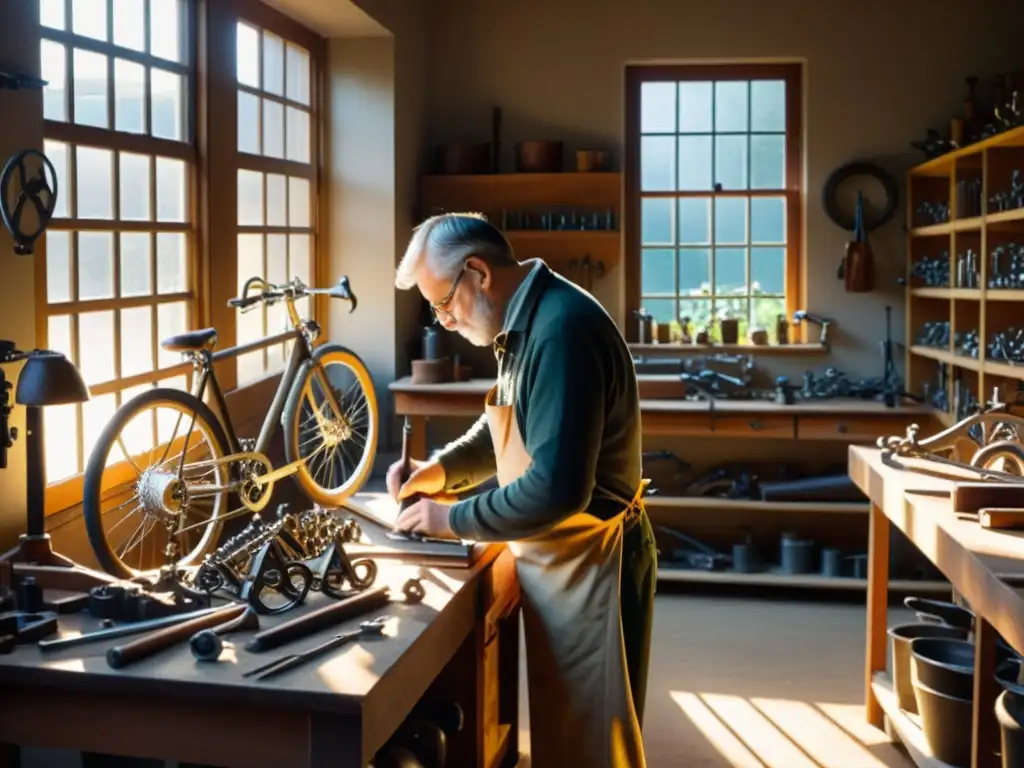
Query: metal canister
x=645 y=326
x=430 y=343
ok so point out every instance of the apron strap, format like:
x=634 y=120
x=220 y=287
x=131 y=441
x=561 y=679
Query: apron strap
x=632 y=507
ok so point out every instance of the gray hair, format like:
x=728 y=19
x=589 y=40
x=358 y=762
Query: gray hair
x=445 y=241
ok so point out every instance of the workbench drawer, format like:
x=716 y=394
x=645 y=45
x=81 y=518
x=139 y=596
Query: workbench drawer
x=851 y=429
x=755 y=425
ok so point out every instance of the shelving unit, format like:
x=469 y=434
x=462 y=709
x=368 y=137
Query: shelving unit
x=498 y=195
x=976 y=306
x=767 y=350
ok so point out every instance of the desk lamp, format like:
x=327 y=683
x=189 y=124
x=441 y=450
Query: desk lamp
x=48 y=378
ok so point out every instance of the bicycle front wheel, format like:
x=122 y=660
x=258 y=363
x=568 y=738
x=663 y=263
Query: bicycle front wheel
x=336 y=450
x=154 y=489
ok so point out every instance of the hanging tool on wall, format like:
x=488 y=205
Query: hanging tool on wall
x=857 y=269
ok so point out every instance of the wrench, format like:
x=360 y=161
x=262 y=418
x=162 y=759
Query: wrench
x=292 y=660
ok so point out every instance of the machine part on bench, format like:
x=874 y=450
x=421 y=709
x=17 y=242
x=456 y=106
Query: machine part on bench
x=144 y=647
x=142 y=600
x=270 y=573
x=28 y=627
x=30 y=595
x=110 y=632
x=396 y=757
x=330 y=615
x=426 y=740
x=414 y=591
x=374 y=627
x=206 y=644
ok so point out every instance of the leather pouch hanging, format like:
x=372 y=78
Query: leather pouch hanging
x=857 y=270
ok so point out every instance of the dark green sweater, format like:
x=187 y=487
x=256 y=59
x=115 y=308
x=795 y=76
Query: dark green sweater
x=571 y=378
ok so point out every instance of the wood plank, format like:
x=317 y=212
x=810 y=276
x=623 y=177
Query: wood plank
x=756 y=505
x=877 y=608
x=515 y=191
x=774 y=578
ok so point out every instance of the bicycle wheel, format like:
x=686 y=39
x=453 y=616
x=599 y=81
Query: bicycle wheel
x=146 y=487
x=337 y=450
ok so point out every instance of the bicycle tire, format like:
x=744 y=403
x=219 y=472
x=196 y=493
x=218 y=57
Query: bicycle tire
x=844 y=220
x=290 y=421
x=92 y=490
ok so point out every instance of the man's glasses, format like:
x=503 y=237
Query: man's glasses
x=439 y=308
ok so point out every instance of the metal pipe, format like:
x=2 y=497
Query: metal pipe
x=122 y=631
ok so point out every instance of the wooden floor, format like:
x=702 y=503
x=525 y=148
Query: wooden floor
x=750 y=683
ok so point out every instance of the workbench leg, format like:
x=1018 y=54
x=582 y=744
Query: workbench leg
x=10 y=756
x=418 y=437
x=877 y=609
x=984 y=727
x=335 y=742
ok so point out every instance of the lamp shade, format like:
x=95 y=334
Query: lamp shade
x=49 y=378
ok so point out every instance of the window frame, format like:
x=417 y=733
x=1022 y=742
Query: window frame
x=635 y=77
x=209 y=148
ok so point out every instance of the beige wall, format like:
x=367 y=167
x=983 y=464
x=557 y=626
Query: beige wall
x=878 y=73
x=21 y=127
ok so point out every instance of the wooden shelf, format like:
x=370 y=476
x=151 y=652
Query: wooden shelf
x=968 y=294
x=906 y=726
x=770 y=350
x=944 y=165
x=774 y=578
x=947 y=227
x=755 y=505
x=521 y=191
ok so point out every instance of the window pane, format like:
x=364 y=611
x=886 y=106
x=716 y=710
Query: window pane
x=731 y=106
x=768 y=270
x=695 y=107
x=134 y=184
x=53 y=62
x=136 y=340
x=696 y=312
x=273 y=129
x=248 y=123
x=768 y=105
x=277 y=273
x=129 y=96
x=656 y=224
x=664 y=310
x=51 y=13
x=250 y=264
x=273 y=64
x=657 y=272
x=94 y=192
x=730 y=270
x=96 y=340
x=167 y=117
x=767 y=162
x=250 y=198
x=58 y=335
x=89 y=18
x=658 y=108
x=58 y=266
x=297 y=73
x=657 y=163
x=730 y=220
x=731 y=162
x=90 y=80
x=298 y=202
x=765 y=313
x=95 y=265
x=297 y=135
x=57 y=151
x=298 y=261
x=694 y=163
x=247 y=62
x=171 y=263
x=96 y=414
x=277 y=200
x=135 y=272
x=137 y=435
x=170 y=189
x=165 y=29
x=694 y=271
x=60 y=426
x=694 y=220
x=130 y=24
x=768 y=220
x=249 y=325
x=171 y=319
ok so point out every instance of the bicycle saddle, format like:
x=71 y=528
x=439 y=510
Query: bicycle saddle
x=192 y=341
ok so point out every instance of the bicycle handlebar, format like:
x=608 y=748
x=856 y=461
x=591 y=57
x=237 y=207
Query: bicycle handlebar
x=293 y=289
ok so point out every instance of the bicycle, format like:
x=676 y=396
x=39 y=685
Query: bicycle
x=330 y=438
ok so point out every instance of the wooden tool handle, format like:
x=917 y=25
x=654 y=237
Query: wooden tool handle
x=970 y=497
x=123 y=655
x=406 y=470
x=328 y=616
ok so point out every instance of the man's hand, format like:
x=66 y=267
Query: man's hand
x=427 y=478
x=428 y=517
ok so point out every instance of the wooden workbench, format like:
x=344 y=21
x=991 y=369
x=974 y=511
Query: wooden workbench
x=460 y=643
x=985 y=567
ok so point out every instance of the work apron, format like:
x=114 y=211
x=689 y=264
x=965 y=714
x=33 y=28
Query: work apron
x=581 y=706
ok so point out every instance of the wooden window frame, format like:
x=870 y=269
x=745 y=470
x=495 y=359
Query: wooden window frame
x=209 y=147
x=792 y=74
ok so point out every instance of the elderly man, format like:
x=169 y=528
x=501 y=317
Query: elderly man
x=561 y=430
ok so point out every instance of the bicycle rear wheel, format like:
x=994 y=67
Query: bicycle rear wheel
x=145 y=489
x=336 y=450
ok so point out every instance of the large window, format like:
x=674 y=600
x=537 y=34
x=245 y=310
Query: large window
x=713 y=185
x=118 y=272
x=275 y=182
